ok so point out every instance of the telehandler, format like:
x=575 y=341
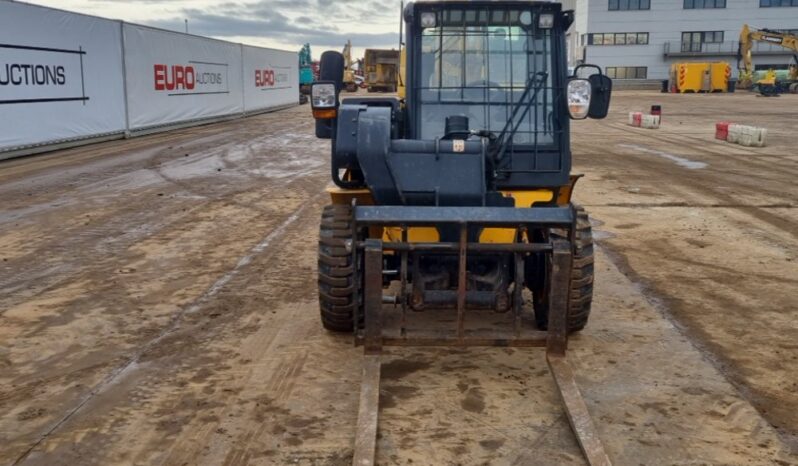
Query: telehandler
x=456 y=198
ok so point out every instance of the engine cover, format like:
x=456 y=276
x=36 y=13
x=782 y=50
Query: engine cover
x=418 y=172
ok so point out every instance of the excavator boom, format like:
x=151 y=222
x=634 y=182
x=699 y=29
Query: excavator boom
x=349 y=72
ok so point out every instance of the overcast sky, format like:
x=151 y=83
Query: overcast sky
x=284 y=24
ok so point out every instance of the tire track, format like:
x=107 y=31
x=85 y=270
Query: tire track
x=122 y=371
x=704 y=182
x=283 y=362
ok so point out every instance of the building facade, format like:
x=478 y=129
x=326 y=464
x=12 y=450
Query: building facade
x=640 y=39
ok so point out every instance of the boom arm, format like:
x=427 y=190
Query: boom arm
x=744 y=62
x=349 y=72
x=788 y=41
x=347 y=53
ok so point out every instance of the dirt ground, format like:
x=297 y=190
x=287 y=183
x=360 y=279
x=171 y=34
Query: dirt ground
x=158 y=306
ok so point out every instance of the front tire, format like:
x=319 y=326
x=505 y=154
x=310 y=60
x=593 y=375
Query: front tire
x=336 y=270
x=581 y=283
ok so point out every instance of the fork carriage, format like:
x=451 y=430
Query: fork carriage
x=376 y=252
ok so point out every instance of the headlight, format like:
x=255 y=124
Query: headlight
x=546 y=21
x=428 y=19
x=322 y=95
x=579 y=92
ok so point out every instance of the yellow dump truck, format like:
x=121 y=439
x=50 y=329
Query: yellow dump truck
x=700 y=77
x=382 y=70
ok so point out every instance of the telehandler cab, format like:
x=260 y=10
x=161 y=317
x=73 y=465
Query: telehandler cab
x=456 y=198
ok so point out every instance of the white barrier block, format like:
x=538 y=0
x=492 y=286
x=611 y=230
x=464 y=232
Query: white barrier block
x=763 y=134
x=749 y=136
x=650 y=121
x=635 y=119
x=752 y=136
x=734 y=134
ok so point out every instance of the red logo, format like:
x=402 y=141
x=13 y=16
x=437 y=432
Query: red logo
x=170 y=78
x=264 y=78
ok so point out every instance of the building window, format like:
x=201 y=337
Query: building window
x=617 y=5
x=693 y=41
x=627 y=72
x=769 y=3
x=690 y=4
x=618 y=38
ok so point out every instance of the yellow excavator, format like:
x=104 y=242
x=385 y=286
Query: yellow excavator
x=770 y=84
x=349 y=74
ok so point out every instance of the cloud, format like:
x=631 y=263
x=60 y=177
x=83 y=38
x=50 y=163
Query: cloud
x=160 y=2
x=322 y=23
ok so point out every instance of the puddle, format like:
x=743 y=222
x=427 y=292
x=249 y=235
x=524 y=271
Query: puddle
x=682 y=162
x=280 y=156
x=599 y=235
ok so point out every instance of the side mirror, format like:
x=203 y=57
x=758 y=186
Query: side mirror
x=601 y=92
x=331 y=68
x=331 y=80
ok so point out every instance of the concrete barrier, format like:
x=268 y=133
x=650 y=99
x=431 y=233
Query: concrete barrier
x=753 y=137
x=722 y=130
x=734 y=133
x=650 y=121
x=749 y=136
x=639 y=120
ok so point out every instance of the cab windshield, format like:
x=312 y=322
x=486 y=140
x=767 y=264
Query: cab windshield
x=476 y=63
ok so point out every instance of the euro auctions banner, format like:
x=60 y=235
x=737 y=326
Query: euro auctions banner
x=66 y=76
x=173 y=77
x=271 y=78
x=60 y=76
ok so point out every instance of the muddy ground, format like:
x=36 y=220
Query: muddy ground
x=158 y=306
